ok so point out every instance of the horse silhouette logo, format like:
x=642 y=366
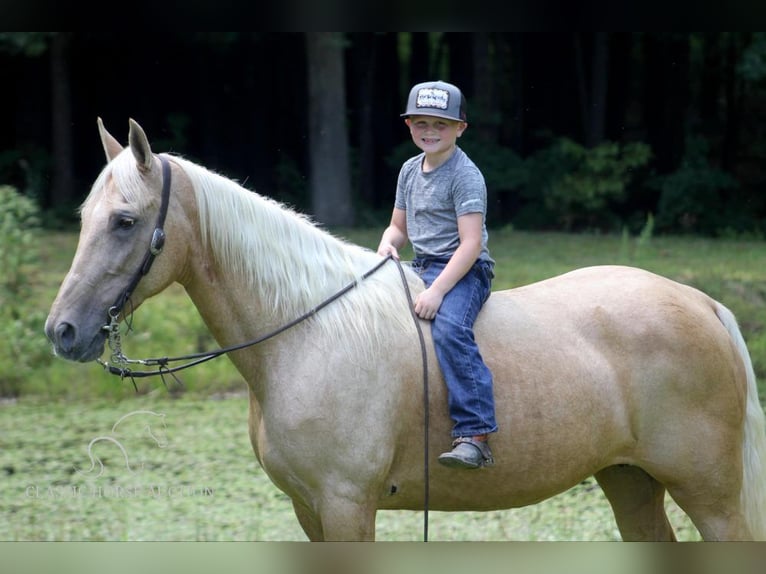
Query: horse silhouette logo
x=154 y=432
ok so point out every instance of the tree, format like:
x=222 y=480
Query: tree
x=330 y=180
x=593 y=101
x=62 y=193
x=666 y=96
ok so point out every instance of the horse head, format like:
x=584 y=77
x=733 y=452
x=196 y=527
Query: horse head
x=109 y=274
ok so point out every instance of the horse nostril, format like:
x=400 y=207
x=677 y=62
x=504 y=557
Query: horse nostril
x=64 y=336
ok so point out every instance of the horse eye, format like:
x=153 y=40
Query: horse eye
x=125 y=222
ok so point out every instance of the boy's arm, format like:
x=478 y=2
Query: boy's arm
x=395 y=235
x=470 y=231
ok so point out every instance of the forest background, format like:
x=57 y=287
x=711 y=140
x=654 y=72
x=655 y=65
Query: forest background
x=594 y=131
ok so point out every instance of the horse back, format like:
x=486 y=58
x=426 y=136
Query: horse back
x=620 y=325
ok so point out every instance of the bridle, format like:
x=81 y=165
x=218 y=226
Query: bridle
x=121 y=364
x=155 y=246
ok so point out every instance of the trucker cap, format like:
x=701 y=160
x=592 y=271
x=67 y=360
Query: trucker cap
x=438 y=99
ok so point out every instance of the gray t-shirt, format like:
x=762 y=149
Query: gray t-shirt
x=434 y=200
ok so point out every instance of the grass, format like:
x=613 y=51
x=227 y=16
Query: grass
x=205 y=484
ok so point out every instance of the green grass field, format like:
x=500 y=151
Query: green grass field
x=194 y=477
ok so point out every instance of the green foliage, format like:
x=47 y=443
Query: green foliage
x=569 y=187
x=630 y=250
x=18 y=219
x=690 y=197
x=577 y=186
x=504 y=172
x=31 y=44
x=752 y=66
x=26 y=168
x=564 y=185
x=20 y=321
x=647 y=231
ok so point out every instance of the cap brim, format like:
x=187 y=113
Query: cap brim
x=433 y=115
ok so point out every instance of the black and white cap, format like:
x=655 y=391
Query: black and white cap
x=438 y=99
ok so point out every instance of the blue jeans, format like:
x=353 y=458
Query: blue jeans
x=469 y=381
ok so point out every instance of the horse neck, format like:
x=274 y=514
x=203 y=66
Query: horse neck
x=261 y=264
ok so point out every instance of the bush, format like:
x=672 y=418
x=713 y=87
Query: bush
x=23 y=346
x=565 y=185
x=577 y=186
x=505 y=173
x=690 y=197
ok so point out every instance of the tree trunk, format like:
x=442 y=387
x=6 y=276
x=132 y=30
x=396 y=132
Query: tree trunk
x=733 y=91
x=666 y=97
x=420 y=58
x=599 y=83
x=509 y=48
x=62 y=186
x=593 y=101
x=618 y=125
x=363 y=68
x=482 y=108
x=330 y=181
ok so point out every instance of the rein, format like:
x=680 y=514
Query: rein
x=121 y=363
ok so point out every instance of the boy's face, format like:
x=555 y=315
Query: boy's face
x=434 y=135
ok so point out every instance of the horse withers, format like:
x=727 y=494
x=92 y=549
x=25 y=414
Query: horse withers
x=606 y=371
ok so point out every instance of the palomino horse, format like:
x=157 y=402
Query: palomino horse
x=608 y=371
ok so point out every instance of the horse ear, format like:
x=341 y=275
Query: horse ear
x=139 y=145
x=111 y=146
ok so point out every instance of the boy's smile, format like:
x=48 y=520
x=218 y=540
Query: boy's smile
x=435 y=136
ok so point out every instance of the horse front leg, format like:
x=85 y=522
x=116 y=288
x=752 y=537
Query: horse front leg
x=337 y=520
x=346 y=520
x=309 y=521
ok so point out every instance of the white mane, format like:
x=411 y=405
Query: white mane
x=292 y=264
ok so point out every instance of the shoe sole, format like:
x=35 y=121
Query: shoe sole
x=454 y=462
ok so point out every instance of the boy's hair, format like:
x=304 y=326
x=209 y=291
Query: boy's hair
x=439 y=99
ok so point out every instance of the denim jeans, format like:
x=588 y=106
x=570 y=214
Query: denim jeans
x=468 y=380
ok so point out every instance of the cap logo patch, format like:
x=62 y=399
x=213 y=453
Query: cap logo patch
x=432 y=98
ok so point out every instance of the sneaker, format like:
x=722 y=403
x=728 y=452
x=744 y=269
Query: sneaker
x=468 y=453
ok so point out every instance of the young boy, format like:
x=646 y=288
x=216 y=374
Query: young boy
x=440 y=207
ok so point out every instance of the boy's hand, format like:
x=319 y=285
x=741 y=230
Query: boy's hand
x=428 y=303
x=384 y=250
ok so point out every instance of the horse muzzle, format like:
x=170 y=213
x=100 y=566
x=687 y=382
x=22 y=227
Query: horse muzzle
x=73 y=343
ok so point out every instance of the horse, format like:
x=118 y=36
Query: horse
x=607 y=371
